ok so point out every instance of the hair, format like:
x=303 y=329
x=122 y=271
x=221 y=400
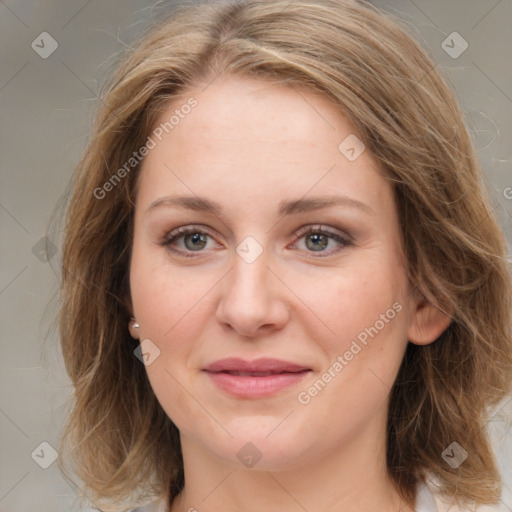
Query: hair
x=122 y=445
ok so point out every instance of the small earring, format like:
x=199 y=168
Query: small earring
x=133 y=327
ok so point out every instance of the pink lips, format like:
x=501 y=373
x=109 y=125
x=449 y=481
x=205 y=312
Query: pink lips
x=254 y=379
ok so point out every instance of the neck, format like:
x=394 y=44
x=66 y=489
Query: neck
x=351 y=477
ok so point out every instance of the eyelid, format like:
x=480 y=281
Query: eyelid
x=325 y=229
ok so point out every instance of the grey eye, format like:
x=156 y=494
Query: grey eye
x=198 y=241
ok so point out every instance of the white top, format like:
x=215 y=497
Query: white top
x=426 y=501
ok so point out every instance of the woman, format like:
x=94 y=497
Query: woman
x=283 y=284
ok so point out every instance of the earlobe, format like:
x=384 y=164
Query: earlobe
x=428 y=323
x=133 y=327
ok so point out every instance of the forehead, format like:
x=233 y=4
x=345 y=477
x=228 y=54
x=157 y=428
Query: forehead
x=259 y=112
x=257 y=140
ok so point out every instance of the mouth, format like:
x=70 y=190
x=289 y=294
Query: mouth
x=264 y=365
x=255 y=379
x=257 y=374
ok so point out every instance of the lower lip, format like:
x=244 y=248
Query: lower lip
x=255 y=387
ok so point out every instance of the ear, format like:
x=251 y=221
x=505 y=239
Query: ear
x=428 y=322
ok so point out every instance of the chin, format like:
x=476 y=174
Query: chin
x=257 y=444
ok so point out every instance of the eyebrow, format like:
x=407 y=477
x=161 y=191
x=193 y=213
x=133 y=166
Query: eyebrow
x=202 y=204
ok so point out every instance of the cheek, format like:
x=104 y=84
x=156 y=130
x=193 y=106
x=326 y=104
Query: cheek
x=357 y=298
x=366 y=310
x=362 y=359
x=169 y=309
x=164 y=299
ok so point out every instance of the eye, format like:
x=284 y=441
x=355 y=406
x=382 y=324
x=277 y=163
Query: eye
x=317 y=239
x=194 y=239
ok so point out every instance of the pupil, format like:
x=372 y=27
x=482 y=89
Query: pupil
x=316 y=238
x=196 y=237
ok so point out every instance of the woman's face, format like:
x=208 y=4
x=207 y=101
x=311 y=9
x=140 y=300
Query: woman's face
x=332 y=308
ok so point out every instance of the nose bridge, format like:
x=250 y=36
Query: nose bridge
x=250 y=299
x=249 y=278
x=250 y=262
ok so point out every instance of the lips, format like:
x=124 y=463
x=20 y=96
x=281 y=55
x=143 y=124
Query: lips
x=254 y=379
x=251 y=374
x=259 y=368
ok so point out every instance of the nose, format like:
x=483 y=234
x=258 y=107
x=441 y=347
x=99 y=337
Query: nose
x=253 y=298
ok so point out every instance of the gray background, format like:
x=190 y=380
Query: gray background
x=45 y=110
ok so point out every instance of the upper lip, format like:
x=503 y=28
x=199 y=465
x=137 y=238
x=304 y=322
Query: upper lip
x=265 y=364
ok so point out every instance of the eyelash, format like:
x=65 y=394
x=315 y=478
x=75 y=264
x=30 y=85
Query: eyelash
x=301 y=232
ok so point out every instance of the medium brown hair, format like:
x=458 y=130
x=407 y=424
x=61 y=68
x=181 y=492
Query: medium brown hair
x=120 y=442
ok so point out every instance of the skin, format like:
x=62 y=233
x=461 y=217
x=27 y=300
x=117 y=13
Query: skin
x=249 y=145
